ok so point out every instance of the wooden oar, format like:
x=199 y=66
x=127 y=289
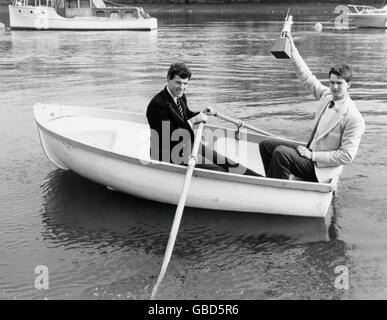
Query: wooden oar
x=180 y=207
x=240 y=123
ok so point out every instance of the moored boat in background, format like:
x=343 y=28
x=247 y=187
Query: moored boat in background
x=77 y=15
x=365 y=16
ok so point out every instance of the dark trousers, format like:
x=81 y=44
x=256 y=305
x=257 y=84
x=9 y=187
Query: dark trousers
x=215 y=162
x=220 y=163
x=280 y=159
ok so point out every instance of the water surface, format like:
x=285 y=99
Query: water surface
x=100 y=244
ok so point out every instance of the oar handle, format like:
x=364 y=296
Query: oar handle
x=193 y=157
x=240 y=123
x=180 y=207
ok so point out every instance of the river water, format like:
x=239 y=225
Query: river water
x=99 y=244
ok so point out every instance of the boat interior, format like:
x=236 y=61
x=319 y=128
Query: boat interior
x=127 y=135
x=113 y=135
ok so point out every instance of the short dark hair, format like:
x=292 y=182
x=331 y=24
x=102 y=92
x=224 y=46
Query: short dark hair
x=179 y=69
x=342 y=70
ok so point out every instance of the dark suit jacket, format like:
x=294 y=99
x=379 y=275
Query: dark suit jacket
x=161 y=109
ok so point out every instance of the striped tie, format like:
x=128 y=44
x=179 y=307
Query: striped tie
x=180 y=107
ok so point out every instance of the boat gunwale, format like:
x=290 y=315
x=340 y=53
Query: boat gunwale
x=198 y=172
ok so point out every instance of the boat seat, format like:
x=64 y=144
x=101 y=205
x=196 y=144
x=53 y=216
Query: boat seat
x=133 y=140
x=243 y=152
x=122 y=137
x=99 y=138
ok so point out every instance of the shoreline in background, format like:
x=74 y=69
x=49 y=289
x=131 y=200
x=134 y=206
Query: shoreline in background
x=234 y=8
x=234 y=2
x=242 y=8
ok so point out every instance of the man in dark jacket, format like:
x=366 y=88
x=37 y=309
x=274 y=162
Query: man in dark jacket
x=171 y=123
x=171 y=120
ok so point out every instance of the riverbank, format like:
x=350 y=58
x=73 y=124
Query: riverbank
x=159 y=8
x=241 y=8
x=232 y=3
x=237 y=2
x=254 y=9
x=234 y=8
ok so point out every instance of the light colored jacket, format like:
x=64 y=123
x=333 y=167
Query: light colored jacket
x=338 y=142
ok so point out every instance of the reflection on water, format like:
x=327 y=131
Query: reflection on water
x=76 y=209
x=77 y=212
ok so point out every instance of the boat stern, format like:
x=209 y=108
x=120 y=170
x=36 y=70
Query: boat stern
x=152 y=23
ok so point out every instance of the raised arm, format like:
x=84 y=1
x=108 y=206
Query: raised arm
x=310 y=82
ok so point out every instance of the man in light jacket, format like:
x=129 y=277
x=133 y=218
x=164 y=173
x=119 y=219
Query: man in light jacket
x=337 y=129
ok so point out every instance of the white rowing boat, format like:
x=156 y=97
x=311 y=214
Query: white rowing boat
x=112 y=148
x=77 y=15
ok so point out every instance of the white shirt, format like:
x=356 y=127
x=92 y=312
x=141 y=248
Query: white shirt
x=173 y=97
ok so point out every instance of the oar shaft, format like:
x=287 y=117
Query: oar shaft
x=241 y=124
x=179 y=211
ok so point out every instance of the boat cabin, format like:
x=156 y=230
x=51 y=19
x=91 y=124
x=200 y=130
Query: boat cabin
x=360 y=9
x=85 y=8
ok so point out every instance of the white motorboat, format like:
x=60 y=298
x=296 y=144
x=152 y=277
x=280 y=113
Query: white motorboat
x=364 y=16
x=77 y=15
x=113 y=148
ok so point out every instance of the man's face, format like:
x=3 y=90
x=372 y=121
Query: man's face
x=177 y=85
x=339 y=87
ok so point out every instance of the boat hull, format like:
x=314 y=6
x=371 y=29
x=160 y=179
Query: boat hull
x=369 y=20
x=163 y=182
x=46 y=18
